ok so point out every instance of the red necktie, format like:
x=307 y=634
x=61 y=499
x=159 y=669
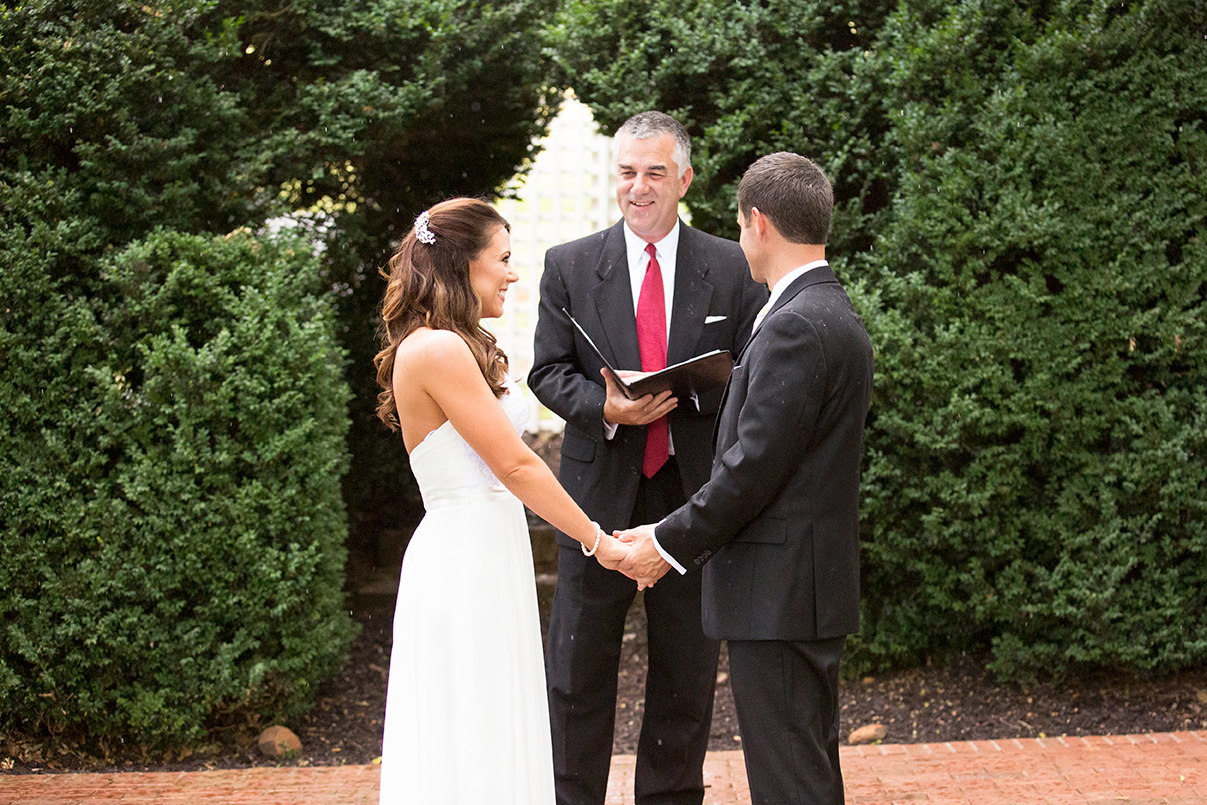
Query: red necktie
x=651 y=339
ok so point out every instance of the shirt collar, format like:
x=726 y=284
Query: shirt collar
x=791 y=276
x=667 y=249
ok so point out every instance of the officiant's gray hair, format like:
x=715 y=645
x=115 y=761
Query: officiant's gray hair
x=649 y=125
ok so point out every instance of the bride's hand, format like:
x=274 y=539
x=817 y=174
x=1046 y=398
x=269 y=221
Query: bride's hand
x=611 y=552
x=644 y=564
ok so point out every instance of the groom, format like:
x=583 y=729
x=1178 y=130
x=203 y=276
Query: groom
x=775 y=531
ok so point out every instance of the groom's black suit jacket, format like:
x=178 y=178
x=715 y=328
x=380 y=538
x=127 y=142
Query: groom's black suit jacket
x=776 y=528
x=714 y=304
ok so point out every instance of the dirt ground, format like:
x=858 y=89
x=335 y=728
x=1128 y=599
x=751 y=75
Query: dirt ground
x=957 y=702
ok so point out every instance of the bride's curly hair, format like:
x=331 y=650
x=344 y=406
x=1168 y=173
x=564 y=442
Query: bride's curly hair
x=428 y=286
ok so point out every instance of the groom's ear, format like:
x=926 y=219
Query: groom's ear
x=758 y=222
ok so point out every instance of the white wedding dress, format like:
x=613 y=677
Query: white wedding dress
x=467 y=719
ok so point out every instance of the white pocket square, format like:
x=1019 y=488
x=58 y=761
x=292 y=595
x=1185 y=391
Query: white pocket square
x=711 y=319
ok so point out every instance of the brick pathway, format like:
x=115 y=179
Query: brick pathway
x=1163 y=768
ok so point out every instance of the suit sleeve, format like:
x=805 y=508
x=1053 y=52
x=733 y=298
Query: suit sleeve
x=557 y=377
x=776 y=426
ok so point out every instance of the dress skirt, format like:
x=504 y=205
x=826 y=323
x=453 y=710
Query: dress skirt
x=467 y=718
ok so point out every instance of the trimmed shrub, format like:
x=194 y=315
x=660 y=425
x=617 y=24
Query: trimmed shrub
x=1021 y=220
x=1036 y=453
x=209 y=115
x=746 y=79
x=170 y=501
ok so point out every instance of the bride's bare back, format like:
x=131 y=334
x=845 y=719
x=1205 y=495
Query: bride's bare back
x=416 y=366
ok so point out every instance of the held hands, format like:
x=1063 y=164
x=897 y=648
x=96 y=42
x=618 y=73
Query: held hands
x=620 y=410
x=633 y=553
x=642 y=562
x=611 y=552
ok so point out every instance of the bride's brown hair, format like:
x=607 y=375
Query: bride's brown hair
x=428 y=286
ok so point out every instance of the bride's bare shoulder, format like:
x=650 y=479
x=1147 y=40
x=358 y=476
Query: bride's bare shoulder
x=434 y=348
x=427 y=342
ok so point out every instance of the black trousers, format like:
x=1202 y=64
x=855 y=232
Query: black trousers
x=586 y=627
x=786 y=696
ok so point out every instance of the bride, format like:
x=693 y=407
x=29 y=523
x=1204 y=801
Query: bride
x=466 y=710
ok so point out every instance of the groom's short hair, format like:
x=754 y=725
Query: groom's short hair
x=791 y=191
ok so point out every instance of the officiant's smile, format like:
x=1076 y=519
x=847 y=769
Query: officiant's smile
x=649 y=183
x=490 y=274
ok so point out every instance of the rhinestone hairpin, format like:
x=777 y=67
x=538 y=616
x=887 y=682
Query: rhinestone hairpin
x=422 y=233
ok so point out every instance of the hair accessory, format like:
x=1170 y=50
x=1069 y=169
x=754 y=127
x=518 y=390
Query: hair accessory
x=422 y=233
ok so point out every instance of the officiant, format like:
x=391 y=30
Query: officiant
x=650 y=292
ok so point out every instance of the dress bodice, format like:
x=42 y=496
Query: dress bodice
x=447 y=468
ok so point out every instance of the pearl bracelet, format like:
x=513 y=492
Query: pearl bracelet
x=595 y=547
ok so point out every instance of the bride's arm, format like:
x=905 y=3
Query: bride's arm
x=446 y=370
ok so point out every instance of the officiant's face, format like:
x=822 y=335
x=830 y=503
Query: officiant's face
x=490 y=274
x=648 y=185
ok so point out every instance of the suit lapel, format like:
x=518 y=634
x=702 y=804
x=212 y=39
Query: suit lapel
x=816 y=276
x=613 y=297
x=691 y=299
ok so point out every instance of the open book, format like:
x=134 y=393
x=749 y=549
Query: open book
x=686 y=380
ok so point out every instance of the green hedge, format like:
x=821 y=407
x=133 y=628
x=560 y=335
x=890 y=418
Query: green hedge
x=1021 y=218
x=1039 y=431
x=172 y=444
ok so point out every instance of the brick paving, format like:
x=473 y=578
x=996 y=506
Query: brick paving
x=1152 y=769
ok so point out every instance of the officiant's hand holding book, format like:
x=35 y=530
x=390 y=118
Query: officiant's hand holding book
x=620 y=409
x=687 y=379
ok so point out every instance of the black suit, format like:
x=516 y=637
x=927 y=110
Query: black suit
x=776 y=533
x=714 y=304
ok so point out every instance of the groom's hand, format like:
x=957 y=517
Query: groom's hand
x=620 y=410
x=643 y=564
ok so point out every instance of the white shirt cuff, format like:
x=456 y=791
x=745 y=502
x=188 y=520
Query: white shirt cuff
x=609 y=430
x=670 y=560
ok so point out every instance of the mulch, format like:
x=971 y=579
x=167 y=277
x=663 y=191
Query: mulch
x=960 y=701
x=956 y=702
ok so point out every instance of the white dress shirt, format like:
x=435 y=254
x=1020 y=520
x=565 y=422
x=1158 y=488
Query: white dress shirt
x=667 y=252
